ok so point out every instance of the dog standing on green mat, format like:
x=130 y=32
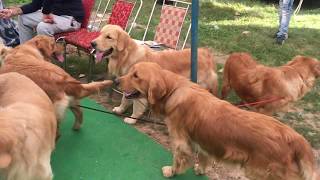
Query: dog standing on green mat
x=31 y=60
x=198 y=122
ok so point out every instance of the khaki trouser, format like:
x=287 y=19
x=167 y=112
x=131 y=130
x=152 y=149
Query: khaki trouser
x=31 y=24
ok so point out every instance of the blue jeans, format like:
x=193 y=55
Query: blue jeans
x=285 y=12
x=8 y=31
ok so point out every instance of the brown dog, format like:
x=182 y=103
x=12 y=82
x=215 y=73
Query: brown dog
x=254 y=82
x=199 y=122
x=123 y=52
x=64 y=91
x=27 y=129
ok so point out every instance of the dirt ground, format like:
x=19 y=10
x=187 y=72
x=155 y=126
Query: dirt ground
x=160 y=134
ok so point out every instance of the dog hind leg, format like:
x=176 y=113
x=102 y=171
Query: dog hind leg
x=76 y=110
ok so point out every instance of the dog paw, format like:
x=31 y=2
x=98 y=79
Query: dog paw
x=198 y=170
x=167 y=171
x=130 y=120
x=76 y=126
x=118 y=110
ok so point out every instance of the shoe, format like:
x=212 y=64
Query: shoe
x=280 y=40
x=276 y=35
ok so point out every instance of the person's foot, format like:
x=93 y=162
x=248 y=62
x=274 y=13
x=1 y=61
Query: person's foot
x=276 y=35
x=280 y=39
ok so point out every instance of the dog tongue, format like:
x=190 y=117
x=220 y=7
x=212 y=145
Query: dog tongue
x=99 y=56
x=60 y=57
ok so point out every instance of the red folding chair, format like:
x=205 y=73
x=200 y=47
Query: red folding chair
x=171 y=22
x=120 y=14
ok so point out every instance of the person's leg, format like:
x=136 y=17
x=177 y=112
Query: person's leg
x=280 y=11
x=61 y=24
x=286 y=12
x=26 y=25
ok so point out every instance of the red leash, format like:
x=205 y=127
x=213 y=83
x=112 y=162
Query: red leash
x=259 y=102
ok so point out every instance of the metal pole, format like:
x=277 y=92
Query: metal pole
x=194 y=39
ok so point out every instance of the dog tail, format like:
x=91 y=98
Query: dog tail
x=89 y=88
x=306 y=160
x=213 y=77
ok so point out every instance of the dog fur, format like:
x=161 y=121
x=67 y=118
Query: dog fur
x=197 y=121
x=254 y=82
x=30 y=59
x=27 y=129
x=3 y=51
x=123 y=52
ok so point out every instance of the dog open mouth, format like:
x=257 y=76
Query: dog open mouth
x=58 y=56
x=132 y=95
x=100 y=54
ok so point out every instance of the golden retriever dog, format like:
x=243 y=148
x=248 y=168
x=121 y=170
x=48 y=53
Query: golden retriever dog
x=123 y=52
x=282 y=85
x=27 y=129
x=199 y=122
x=30 y=58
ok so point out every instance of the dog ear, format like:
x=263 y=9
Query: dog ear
x=157 y=89
x=45 y=46
x=3 y=51
x=122 y=40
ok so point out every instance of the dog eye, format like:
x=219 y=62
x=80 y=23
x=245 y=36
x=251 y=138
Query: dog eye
x=108 y=37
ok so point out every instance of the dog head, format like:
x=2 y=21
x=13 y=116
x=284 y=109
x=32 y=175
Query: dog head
x=48 y=47
x=112 y=39
x=144 y=79
x=310 y=64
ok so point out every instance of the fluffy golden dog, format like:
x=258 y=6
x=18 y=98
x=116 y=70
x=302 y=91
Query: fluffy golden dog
x=123 y=52
x=64 y=91
x=27 y=129
x=199 y=122
x=254 y=82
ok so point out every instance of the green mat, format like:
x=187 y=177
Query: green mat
x=107 y=149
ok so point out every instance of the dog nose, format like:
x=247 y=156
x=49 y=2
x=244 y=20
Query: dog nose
x=116 y=81
x=93 y=44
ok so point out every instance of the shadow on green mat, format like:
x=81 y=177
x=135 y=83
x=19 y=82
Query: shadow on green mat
x=107 y=149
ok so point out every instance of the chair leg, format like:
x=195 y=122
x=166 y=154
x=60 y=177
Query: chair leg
x=78 y=50
x=65 y=56
x=91 y=66
x=107 y=68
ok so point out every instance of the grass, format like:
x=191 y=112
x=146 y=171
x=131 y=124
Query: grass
x=222 y=24
x=221 y=27
x=16 y=2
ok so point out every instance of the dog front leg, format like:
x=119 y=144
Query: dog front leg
x=139 y=107
x=203 y=162
x=182 y=159
x=123 y=106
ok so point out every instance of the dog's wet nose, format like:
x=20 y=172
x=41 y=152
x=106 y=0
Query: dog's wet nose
x=116 y=81
x=93 y=44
